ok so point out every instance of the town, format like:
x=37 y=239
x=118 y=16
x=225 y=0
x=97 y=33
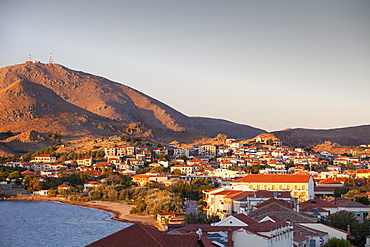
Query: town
x=258 y=191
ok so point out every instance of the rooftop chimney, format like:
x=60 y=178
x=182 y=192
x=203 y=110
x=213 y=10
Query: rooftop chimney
x=229 y=238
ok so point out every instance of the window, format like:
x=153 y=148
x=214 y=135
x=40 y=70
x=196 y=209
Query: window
x=312 y=243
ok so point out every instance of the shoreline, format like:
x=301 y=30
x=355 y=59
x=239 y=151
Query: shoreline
x=120 y=211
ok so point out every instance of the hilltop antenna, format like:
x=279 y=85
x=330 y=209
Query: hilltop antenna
x=51 y=58
x=29 y=58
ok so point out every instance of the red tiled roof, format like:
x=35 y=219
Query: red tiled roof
x=298 y=238
x=272 y=200
x=244 y=218
x=93 y=182
x=228 y=192
x=273 y=178
x=27 y=172
x=44 y=155
x=142 y=235
x=317 y=203
x=330 y=181
x=64 y=185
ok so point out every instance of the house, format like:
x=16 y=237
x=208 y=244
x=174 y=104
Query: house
x=64 y=187
x=141 y=179
x=225 y=173
x=44 y=158
x=241 y=230
x=315 y=238
x=357 y=208
x=141 y=235
x=159 y=151
x=317 y=207
x=173 y=181
x=215 y=201
x=158 y=178
x=300 y=241
x=283 y=212
x=207 y=150
x=300 y=186
x=121 y=151
x=179 y=152
x=236 y=220
x=163 y=217
x=87 y=161
x=331 y=182
x=30 y=173
x=114 y=161
x=184 y=169
x=91 y=185
x=332 y=232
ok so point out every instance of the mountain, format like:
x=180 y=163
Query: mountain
x=349 y=136
x=26 y=106
x=50 y=98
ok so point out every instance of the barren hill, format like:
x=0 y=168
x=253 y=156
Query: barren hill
x=350 y=136
x=26 y=106
x=50 y=98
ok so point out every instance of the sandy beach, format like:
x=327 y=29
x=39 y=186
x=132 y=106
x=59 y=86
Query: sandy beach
x=120 y=210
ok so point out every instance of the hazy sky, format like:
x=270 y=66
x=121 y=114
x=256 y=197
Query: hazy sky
x=269 y=64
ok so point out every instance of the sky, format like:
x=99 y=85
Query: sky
x=268 y=64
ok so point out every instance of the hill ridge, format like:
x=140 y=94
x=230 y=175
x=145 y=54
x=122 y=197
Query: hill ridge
x=116 y=101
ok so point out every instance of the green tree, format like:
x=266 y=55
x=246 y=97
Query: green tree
x=337 y=242
x=63 y=193
x=95 y=195
x=14 y=175
x=140 y=208
x=338 y=192
x=159 y=169
x=362 y=199
x=177 y=172
x=341 y=220
x=32 y=183
x=52 y=193
x=163 y=157
x=201 y=218
x=4 y=175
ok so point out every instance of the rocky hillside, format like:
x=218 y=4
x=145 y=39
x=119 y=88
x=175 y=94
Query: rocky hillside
x=50 y=98
x=350 y=136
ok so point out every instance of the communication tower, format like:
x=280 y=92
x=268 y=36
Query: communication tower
x=51 y=58
x=29 y=58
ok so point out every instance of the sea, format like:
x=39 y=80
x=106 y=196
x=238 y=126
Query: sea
x=38 y=223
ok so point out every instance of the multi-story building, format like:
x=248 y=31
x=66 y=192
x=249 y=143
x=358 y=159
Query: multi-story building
x=44 y=158
x=300 y=186
x=87 y=161
x=207 y=150
x=179 y=152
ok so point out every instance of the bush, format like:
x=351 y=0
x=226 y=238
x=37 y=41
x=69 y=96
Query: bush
x=73 y=198
x=337 y=242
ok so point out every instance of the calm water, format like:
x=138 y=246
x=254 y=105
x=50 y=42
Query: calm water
x=28 y=223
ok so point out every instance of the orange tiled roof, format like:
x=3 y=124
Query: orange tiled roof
x=273 y=178
x=329 y=181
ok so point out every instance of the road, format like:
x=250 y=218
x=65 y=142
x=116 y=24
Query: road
x=190 y=207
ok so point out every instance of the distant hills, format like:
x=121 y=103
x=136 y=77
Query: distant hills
x=349 y=136
x=50 y=98
x=39 y=99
